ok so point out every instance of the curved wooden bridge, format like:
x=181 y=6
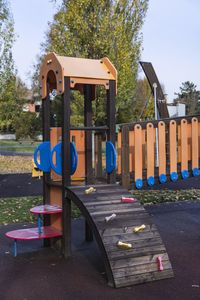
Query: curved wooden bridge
x=123 y=267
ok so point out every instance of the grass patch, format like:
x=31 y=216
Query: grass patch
x=17 y=210
x=18 y=146
x=162 y=196
x=15 y=164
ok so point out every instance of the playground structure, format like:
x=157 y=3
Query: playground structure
x=131 y=247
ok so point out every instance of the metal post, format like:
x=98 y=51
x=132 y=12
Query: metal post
x=156 y=118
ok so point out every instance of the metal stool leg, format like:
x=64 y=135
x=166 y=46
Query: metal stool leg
x=15 y=248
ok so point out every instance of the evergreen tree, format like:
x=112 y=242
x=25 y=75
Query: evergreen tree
x=190 y=96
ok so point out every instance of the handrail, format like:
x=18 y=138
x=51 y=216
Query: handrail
x=155 y=122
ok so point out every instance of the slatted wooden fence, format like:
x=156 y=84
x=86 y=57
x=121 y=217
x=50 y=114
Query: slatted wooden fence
x=158 y=151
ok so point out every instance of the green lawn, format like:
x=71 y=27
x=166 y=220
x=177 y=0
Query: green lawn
x=18 y=146
x=16 y=210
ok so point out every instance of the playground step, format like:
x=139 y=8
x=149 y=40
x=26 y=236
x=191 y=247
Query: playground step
x=27 y=234
x=147 y=259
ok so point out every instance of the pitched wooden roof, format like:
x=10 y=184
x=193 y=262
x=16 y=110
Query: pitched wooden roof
x=80 y=70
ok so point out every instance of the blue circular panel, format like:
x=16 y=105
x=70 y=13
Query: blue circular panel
x=138 y=184
x=174 y=176
x=162 y=178
x=150 y=180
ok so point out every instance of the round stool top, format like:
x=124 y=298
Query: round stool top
x=46 y=209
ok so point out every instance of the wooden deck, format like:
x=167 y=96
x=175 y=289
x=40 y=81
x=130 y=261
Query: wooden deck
x=123 y=267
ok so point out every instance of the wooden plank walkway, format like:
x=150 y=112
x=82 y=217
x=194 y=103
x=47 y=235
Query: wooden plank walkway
x=123 y=267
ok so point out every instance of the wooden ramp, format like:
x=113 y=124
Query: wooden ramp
x=123 y=267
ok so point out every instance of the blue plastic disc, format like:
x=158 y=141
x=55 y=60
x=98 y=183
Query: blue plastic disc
x=138 y=184
x=195 y=172
x=150 y=180
x=185 y=174
x=111 y=157
x=43 y=150
x=162 y=178
x=173 y=176
x=57 y=166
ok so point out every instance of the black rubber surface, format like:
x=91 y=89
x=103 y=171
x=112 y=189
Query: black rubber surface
x=41 y=273
x=17 y=185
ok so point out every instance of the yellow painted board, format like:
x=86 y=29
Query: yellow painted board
x=161 y=148
x=172 y=146
x=150 y=150
x=195 y=143
x=184 y=145
x=138 y=151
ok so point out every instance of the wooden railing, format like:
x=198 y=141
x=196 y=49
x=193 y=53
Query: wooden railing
x=157 y=151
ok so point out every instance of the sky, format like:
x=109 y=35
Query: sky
x=171 y=38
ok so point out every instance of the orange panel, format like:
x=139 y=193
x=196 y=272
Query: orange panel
x=195 y=144
x=189 y=141
x=119 y=151
x=172 y=146
x=78 y=137
x=138 y=151
x=184 y=145
x=56 y=199
x=131 y=150
x=162 y=148
x=150 y=150
x=179 y=143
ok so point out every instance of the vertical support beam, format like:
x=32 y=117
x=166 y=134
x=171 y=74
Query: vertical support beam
x=150 y=153
x=66 y=202
x=88 y=134
x=111 y=122
x=125 y=157
x=88 y=147
x=98 y=155
x=46 y=137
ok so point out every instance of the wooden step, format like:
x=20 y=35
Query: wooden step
x=48 y=232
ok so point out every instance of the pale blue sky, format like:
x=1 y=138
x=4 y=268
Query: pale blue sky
x=171 y=38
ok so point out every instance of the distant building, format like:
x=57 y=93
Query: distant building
x=176 y=110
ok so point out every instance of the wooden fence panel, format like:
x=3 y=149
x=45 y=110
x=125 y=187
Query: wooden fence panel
x=150 y=154
x=173 y=150
x=195 y=147
x=184 y=148
x=138 y=156
x=162 y=152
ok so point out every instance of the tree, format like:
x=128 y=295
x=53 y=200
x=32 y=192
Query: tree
x=144 y=101
x=190 y=96
x=94 y=29
x=7 y=72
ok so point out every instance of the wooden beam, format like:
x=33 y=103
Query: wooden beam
x=111 y=122
x=66 y=201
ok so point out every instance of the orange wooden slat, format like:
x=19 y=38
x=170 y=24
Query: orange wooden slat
x=131 y=151
x=138 y=151
x=150 y=150
x=195 y=144
x=172 y=146
x=184 y=145
x=119 y=151
x=162 y=148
